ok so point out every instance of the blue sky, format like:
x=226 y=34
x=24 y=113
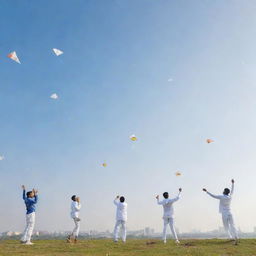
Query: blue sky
x=112 y=82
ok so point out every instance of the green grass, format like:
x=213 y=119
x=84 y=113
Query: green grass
x=211 y=247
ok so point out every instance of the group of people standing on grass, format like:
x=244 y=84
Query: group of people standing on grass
x=30 y=199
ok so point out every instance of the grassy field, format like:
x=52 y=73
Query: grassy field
x=212 y=247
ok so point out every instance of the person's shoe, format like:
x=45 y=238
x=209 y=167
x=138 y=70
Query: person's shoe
x=164 y=241
x=75 y=240
x=69 y=239
x=236 y=242
x=115 y=241
x=22 y=242
x=177 y=242
x=28 y=243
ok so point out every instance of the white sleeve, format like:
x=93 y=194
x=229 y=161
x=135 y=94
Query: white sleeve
x=214 y=196
x=175 y=199
x=232 y=189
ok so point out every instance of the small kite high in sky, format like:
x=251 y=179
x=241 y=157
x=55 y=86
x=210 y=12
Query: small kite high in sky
x=1 y=158
x=57 y=52
x=54 y=96
x=13 y=56
x=133 y=138
x=170 y=79
x=104 y=164
x=178 y=173
x=209 y=141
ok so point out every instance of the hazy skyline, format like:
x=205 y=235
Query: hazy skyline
x=112 y=81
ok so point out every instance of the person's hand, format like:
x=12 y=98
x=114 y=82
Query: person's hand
x=23 y=187
x=35 y=191
x=204 y=189
x=157 y=197
x=180 y=189
x=233 y=181
x=78 y=199
x=117 y=197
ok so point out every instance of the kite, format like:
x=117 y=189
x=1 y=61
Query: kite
x=133 y=137
x=178 y=173
x=1 y=158
x=57 y=52
x=14 y=57
x=209 y=141
x=104 y=165
x=54 y=96
x=170 y=79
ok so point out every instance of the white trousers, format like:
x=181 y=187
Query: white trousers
x=229 y=226
x=170 y=222
x=30 y=223
x=119 y=223
x=76 y=229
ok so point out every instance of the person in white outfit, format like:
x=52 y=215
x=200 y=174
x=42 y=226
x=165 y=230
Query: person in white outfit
x=224 y=209
x=168 y=215
x=75 y=209
x=121 y=217
x=30 y=199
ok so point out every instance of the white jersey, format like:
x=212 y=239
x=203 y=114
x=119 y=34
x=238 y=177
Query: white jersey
x=225 y=201
x=75 y=209
x=121 y=210
x=168 y=206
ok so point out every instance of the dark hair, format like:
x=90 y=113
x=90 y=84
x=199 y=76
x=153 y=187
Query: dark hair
x=73 y=197
x=29 y=193
x=165 y=195
x=226 y=191
x=122 y=199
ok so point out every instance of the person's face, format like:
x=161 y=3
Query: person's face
x=31 y=195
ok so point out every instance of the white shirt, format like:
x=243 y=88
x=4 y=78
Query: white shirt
x=75 y=208
x=225 y=201
x=121 y=210
x=168 y=206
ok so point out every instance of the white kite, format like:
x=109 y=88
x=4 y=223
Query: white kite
x=170 y=80
x=57 y=52
x=54 y=96
x=133 y=138
x=14 y=57
x=1 y=158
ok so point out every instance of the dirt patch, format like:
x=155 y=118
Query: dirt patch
x=150 y=243
x=189 y=244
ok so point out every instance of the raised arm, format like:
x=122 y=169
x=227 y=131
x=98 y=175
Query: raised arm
x=24 y=192
x=176 y=198
x=212 y=195
x=158 y=201
x=77 y=204
x=232 y=187
x=36 y=195
x=35 y=199
x=115 y=201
